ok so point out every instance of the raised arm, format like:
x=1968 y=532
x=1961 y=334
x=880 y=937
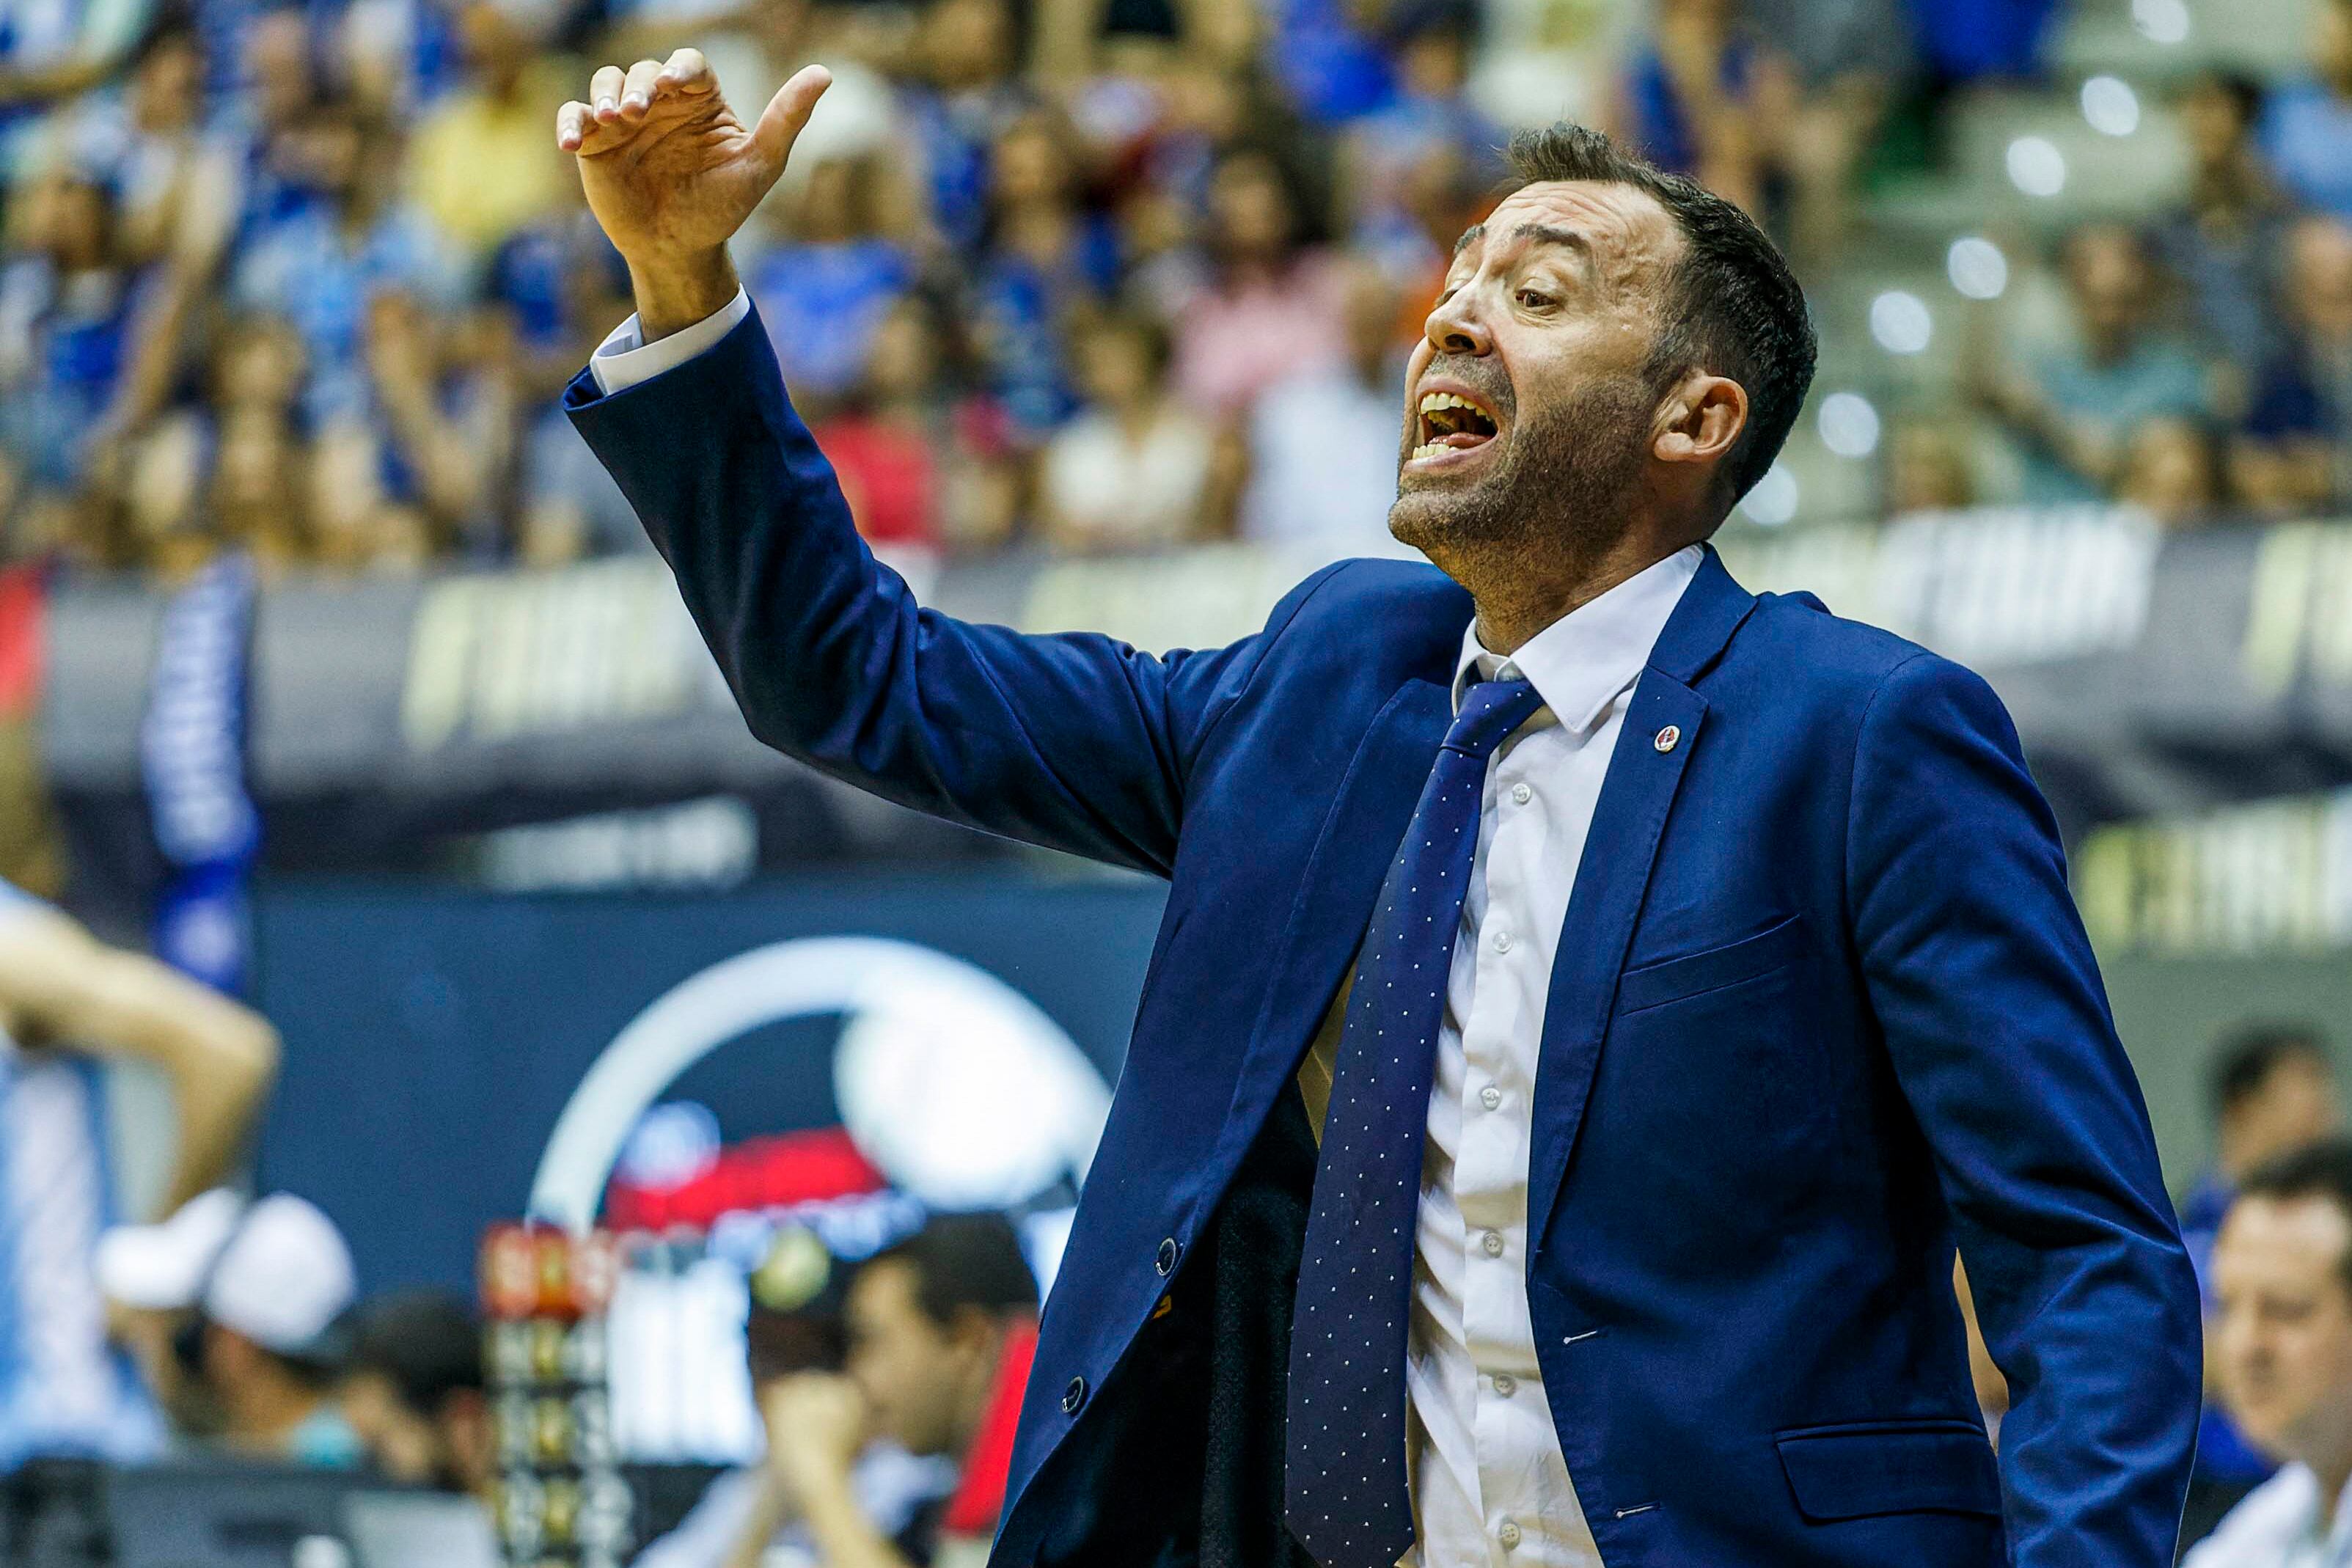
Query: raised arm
x=1997 y=1026
x=1078 y=742
x=59 y=984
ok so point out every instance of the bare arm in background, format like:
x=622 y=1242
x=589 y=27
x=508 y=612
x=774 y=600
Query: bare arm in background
x=60 y=986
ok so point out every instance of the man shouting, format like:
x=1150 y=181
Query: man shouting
x=1593 y=1000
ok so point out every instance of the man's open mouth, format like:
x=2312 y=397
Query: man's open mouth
x=1452 y=423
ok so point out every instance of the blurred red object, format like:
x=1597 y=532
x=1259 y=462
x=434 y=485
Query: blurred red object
x=757 y=1174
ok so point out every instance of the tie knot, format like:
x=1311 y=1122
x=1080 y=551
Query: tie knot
x=1490 y=712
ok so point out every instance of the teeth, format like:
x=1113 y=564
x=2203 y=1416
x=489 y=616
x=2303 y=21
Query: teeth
x=1429 y=449
x=1433 y=400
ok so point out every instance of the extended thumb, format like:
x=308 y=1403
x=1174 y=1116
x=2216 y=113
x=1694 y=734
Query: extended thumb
x=787 y=113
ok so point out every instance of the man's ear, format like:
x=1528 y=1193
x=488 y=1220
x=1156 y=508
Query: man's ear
x=1701 y=420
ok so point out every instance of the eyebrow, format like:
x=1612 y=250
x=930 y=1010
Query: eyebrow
x=1542 y=233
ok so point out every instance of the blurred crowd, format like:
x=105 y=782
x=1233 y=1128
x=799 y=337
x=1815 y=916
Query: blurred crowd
x=307 y=281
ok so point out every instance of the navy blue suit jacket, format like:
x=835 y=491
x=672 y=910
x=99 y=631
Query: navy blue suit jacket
x=1822 y=1006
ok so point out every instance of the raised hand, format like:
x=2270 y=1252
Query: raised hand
x=671 y=174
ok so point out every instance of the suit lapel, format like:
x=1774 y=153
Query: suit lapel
x=1342 y=880
x=1619 y=852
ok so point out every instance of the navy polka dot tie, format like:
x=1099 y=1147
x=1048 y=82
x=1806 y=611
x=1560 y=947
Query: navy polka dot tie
x=1345 y=1480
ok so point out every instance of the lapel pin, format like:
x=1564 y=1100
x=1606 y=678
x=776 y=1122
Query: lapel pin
x=1667 y=737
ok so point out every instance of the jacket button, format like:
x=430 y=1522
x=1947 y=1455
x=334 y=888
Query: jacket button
x=1075 y=1397
x=1166 y=1261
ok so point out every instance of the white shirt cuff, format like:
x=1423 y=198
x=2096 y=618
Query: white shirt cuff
x=625 y=358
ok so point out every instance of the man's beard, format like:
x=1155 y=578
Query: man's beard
x=1563 y=482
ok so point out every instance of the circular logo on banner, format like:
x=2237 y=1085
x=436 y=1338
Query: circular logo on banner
x=961 y=1091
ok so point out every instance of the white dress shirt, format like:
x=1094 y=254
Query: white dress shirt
x=1490 y=1484
x=625 y=358
x=2277 y=1525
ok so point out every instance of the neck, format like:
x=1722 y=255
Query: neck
x=2335 y=1474
x=1516 y=599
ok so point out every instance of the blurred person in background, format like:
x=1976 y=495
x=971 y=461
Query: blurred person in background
x=2273 y=1090
x=413 y=1392
x=264 y=1338
x=941 y=1330
x=2174 y=470
x=751 y=1518
x=68 y=1005
x=2295 y=452
x=1320 y=441
x=1133 y=470
x=479 y=166
x=2281 y=1350
x=68 y=315
x=1927 y=465
x=1272 y=306
x=1049 y=261
x=323 y=264
x=1828 y=71
x=2224 y=240
x=1688 y=98
x=825 y=290
x=2072 y=404
x=2307 y=127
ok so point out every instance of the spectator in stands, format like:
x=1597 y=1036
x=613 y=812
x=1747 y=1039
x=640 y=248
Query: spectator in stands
x=962 y=94
x=413 y=1392
x=822 y=293
x=942 y=1328
x=1048 y=261
x=2306 y=131
x=1273 y=306
x=266 y=1340
x=1828 y=71
x=2072 y=406
x=2173 y=469
x=1323 y=443
x=67 y=321
x=2282 y=1347
x=1688 y=99
x=1430 y=118
x=324 y=263
x=1134 y=470
x=796 y=1329
x=2273 y=1092
x=1928 y=466
x=482 y=163
x=2296 y=453
x=2223 y=241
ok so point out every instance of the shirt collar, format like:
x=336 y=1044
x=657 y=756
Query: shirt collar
x=1581 y=661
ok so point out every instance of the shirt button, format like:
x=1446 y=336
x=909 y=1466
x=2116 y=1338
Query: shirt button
x=1490 y=1096
x=1521 y=794
x=1508 y=1533
x=1075 y=1397
x=1505 y=1384
x=1492 y=1243
x=1502 y=941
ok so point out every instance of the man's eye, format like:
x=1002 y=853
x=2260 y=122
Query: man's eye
x=1534 y=299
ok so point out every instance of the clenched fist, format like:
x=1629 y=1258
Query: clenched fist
x=671 y=174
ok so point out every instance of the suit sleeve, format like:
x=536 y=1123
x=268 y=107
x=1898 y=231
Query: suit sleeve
x=1077 y=742
x=1982 y=979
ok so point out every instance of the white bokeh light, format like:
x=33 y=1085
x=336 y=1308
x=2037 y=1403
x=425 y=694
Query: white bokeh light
x=2110 y=107
x=2036 y=166
x=1773 y=500
x=1900 y=323
x=1848 y=424
x=1977 y=268
x=2161 y=21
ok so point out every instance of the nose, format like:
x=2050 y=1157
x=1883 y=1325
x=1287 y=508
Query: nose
x=1453 y=328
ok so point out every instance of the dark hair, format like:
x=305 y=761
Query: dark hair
x=426 y=1343
x=2243 y=1065
x=2322 y=1170
x=1731 y=305
x=966 y=1261
x=2244 y=92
